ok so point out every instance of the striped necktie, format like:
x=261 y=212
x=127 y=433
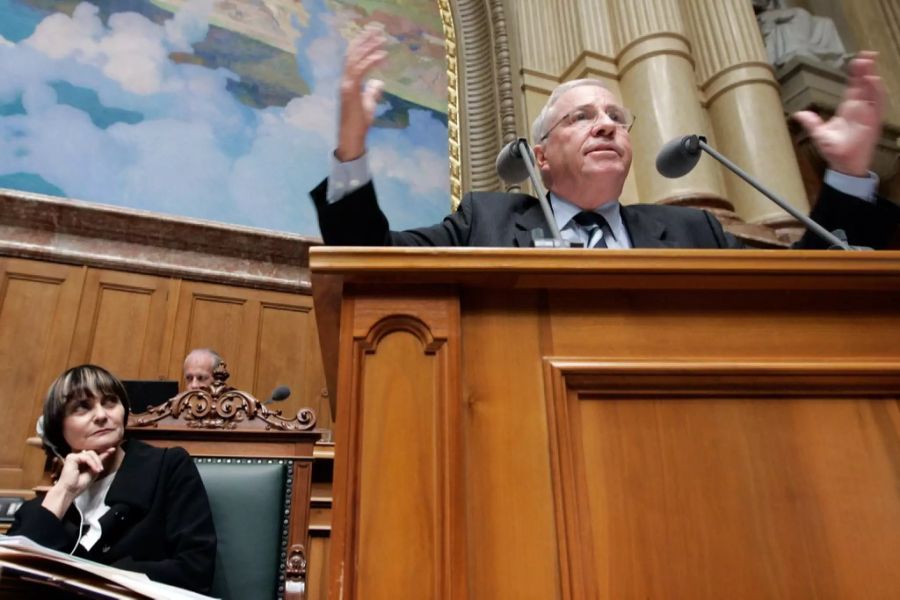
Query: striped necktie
x=592 y=223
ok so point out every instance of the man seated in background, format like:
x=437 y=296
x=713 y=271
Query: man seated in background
x=199 y=365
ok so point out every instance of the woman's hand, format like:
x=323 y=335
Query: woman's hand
x=79 y=470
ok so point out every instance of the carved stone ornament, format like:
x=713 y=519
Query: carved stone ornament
x=222 y=407
x=295 y=569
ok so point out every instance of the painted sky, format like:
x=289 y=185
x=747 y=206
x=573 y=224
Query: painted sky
x=159 y=111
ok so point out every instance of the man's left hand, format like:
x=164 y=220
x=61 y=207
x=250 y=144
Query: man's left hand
x=847 y=140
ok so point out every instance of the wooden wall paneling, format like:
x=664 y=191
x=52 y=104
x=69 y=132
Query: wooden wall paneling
x=268 y=339
x=299 y=521
x=327 y=291
x=762 y=322
x=288 y=354
x=408 y=488
x=510 y=529
x=140 y=326
x=317 y=568
x=121 y=323
x=321 y=501
x=656 y=472
x=214 y=316
x=313 y=386
x=744 y=480
x=168 y=330
x=246 y=358
x=38 y=308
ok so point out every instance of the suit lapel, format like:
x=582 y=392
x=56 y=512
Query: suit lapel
x=135 y=482
x=644 y=230
x=531 y=218
x=130 y=495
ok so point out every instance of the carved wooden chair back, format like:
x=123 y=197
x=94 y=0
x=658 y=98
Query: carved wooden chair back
x=256 y=465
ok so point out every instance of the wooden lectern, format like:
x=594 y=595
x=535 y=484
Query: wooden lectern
x=613 y=424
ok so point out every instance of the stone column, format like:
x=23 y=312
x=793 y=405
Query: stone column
x=656 y=77
x=875 y=25
x=745 y=107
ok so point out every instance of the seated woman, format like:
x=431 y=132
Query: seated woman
x=119 y=502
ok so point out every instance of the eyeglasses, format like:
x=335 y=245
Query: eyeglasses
x=585 y=117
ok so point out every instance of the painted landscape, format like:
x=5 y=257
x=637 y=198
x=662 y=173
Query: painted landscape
x=220 y=110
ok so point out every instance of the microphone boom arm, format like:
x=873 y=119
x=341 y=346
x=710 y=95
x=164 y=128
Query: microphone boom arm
x=809 y=223
x=524 y=150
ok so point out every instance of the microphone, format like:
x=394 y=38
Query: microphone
x=677 y=157
x=282 y=392
x=515 y=163
x=510 y=164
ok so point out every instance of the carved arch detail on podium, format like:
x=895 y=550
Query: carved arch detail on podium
x=395 y=323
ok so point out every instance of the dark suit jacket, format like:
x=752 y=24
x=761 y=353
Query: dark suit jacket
x=159 y=522
x=497 y=219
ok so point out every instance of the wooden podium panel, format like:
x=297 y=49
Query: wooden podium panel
x=624 y=424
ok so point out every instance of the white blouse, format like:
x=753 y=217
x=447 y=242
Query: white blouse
x=92 y=504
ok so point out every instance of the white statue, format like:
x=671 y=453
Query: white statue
x=790 y=32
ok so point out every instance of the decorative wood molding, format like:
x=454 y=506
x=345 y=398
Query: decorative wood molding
x=222 y=425
x=524 y=268
x=295 y=569
x=619 y=378
x=570 y=382
x=430 y=343
x=69 y=231
x=221 y=408
x=753 y=321
x=434 y=424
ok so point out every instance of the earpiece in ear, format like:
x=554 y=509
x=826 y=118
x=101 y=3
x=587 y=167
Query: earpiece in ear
x=39 y=428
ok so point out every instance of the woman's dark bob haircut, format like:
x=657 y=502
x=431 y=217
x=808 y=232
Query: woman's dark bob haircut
x=77 y=383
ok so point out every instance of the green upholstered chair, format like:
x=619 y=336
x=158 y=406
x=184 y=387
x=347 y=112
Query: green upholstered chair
x=249 y=499
x=256 y=466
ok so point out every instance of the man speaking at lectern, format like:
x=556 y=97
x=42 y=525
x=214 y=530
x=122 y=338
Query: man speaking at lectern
x=583 y=151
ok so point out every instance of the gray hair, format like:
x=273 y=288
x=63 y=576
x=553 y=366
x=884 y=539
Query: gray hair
x=217 y=358
x=540 y=125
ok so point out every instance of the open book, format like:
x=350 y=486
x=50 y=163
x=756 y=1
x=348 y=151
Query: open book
x=25 y=565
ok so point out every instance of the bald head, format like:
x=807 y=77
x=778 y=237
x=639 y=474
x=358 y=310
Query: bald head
x=199 y=365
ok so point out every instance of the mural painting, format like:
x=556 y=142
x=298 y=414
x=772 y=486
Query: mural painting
x=216 y=109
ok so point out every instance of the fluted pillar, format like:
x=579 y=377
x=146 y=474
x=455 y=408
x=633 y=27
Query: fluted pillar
x=745 y=107
x=682 y=66
x=876 y=26
x=656 y=76
x=551 y=41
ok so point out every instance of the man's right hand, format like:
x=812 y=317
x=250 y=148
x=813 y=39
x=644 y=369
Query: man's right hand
x=358 y=102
